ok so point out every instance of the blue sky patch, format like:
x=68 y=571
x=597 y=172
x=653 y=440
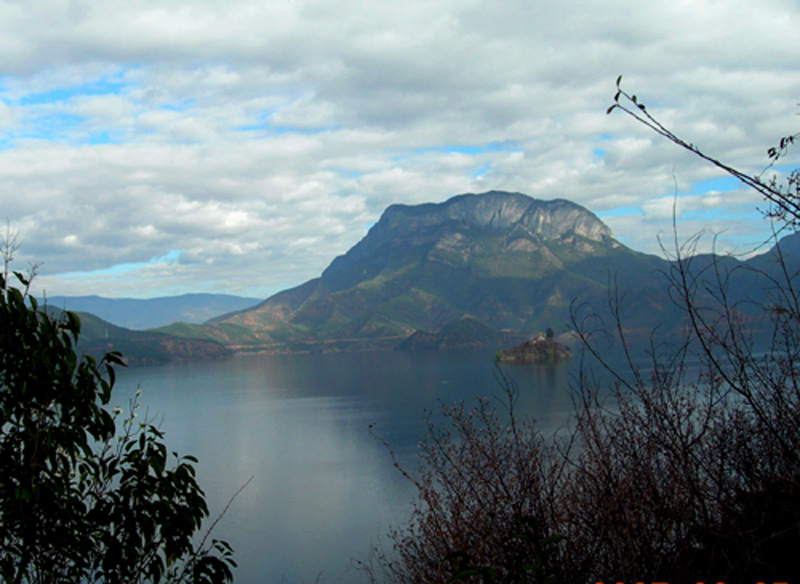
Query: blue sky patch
x=265 y=127
x=180 y=106
x=52 y=127
x=100 y=87
x=721 y=184
x=127 y=268
x=252 y=128
x=98 y=138
x=472 y=149
x=345 y=173
x=479 y=172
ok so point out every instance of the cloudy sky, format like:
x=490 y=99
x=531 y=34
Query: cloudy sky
x=156 y=147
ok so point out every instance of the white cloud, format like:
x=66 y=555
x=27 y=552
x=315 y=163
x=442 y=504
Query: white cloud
x=263 y=138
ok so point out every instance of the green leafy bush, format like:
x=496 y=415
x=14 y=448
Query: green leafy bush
x=84 y=495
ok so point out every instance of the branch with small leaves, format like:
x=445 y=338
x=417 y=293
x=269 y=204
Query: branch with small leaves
x=786 y=199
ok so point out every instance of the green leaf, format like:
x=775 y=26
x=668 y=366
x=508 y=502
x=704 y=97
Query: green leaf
x=22 y=279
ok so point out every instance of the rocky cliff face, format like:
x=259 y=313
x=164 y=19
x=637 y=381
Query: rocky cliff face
x=495 y=210
x=466 y=228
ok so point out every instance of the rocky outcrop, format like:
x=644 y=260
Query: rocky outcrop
x=496 y=210
x=525 y=220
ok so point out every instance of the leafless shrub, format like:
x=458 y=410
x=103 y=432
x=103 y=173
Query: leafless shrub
x=485 y=505
x=686 y=470
x=690 y=470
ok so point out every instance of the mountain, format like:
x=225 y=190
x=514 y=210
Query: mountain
x=459 y=334
x=140 y=314
x=508 y=261
x=788 y=246
x=143 y=347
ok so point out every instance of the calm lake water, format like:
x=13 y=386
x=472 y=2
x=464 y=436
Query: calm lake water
x=323 y=490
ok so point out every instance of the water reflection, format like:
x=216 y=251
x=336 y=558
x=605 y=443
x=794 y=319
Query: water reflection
x=323 y=489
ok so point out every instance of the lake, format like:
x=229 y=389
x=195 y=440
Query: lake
x=323 y=491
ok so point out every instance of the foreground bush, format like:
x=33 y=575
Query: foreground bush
x=486 y=494
x=81 y=501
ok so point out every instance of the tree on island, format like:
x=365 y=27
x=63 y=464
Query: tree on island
x=86 y=494
x=684 y=468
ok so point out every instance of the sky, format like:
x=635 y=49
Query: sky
x=158 y=147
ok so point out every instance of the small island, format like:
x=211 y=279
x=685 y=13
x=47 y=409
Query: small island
x=543 y=348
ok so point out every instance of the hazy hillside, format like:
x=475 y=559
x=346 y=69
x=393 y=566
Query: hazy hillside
x=141 y=314
x=143 y=347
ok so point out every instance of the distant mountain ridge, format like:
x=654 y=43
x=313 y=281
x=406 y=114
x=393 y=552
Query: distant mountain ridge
x=142 y=314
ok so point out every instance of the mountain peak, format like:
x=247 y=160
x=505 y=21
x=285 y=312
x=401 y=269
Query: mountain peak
x=499 y=210
x=463 y=225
